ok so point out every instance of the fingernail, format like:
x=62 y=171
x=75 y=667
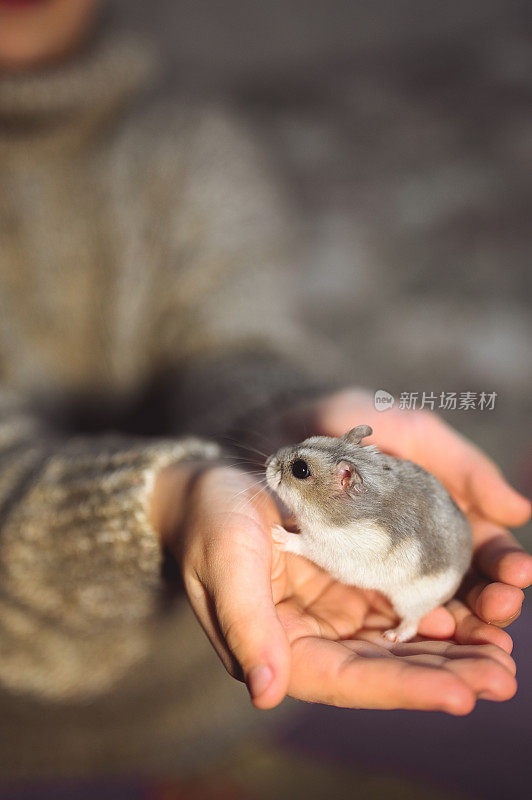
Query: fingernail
x=259 y=678
x=502 y=623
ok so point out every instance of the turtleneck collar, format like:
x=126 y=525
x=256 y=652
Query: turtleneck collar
x=68 y=102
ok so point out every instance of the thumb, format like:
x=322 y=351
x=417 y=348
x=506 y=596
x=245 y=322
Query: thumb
x=246 y=617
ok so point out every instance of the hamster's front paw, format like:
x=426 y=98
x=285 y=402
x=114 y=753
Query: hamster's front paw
x=403 y=633
x=288 y=542
x=280 y=536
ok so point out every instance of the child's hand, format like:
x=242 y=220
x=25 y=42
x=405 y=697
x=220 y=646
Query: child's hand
x=473 y=480
x=284 y=625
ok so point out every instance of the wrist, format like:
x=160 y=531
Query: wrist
x=169 y=497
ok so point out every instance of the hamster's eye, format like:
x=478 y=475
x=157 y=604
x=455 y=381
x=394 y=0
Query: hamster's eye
x=300 y=469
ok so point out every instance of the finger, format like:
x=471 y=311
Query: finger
x=486 y=676
x=327 y=672
x=500 y=556
x=493 y=496
x=472 y=630
x=450 y=650
x=495 y=603
x=499 y=604
x=247 y=618
x=486 y=669
x=438 y=624
x=469 y=473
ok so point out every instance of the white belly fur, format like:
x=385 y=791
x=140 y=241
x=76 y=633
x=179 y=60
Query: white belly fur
x=363 y=555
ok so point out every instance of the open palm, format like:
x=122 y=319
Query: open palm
x=340 y=657
x=285 y=626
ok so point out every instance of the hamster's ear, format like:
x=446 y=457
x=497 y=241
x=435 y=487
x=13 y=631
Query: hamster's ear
x=349 y=477
x=355 y=435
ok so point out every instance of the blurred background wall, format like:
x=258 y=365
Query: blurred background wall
x=404 y=131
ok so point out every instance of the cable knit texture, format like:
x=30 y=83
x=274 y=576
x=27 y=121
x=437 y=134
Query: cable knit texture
x=142 y=244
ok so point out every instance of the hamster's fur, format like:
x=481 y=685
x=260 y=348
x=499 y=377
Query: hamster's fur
x=373 y=521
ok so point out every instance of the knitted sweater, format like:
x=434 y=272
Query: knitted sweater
x=143 y=269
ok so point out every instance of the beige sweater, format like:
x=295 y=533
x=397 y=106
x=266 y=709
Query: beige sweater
x=143 y=269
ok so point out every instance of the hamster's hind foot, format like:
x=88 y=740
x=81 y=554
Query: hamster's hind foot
x=403 y=633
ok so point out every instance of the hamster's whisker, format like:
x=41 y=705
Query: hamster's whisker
x=242 y=463
x=251 y=487
x=259 y=492
x=249 y=466
x=259 y=502
x=245 y=446
x=255 y=432
x=254 y=450
x=258 y=499
x=253 y=499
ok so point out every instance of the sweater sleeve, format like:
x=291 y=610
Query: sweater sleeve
x=79 y=560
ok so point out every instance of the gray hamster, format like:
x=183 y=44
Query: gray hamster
x=372 y=521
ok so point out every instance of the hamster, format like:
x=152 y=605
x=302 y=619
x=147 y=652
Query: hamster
x=372 y=521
